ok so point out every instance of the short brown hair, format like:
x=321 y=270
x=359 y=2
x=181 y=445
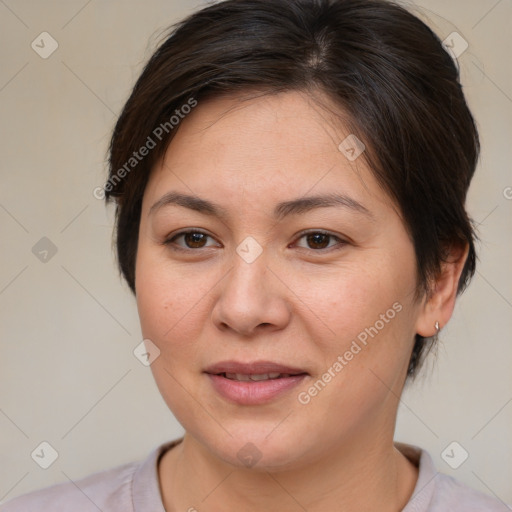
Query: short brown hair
x=383 y=66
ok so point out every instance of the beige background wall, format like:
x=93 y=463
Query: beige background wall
x=68 y=326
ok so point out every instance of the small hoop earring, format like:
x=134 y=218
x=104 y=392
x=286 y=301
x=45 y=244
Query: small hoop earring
x=436 y=325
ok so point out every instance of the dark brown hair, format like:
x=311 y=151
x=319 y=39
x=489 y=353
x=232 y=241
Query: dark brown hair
x=381 y=65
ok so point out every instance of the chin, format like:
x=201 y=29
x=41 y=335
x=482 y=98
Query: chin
x=251 y=446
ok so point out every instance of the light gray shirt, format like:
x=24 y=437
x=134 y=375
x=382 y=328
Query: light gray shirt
x=134 y=487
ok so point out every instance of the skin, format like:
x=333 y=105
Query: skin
x=298 y=304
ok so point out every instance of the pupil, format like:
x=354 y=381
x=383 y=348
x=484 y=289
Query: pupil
x=316 y=239
x=194 y=239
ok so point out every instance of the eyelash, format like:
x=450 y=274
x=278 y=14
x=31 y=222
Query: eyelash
x=169 y=242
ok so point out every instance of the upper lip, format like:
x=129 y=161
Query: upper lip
x=253 y=368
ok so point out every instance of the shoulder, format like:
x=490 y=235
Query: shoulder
x=105 y=490
x=437 y=492
x=452 y=495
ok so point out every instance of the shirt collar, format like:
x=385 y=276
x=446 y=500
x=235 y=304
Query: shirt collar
x=426 y=483
x=146 y=494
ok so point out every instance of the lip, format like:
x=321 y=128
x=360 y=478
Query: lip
x=253 y=368
x=253 y=392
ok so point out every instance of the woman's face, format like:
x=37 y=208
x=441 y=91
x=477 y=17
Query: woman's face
x=269 y=279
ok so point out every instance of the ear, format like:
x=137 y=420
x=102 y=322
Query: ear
x=439 y=303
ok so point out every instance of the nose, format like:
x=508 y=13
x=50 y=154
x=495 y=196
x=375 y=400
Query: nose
x=253 y=298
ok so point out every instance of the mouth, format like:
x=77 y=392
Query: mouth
x=267 y=369
x=253 y=383
x=256 y=377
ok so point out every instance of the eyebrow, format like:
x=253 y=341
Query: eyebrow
x=284 y=209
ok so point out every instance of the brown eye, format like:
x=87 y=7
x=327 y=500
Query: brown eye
x=319 y=240
x=192 y=240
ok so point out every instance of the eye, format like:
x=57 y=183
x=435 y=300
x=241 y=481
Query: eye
x=319 y=240
x=193 y=239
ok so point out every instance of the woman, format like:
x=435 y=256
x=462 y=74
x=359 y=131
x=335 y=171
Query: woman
x=290 y=180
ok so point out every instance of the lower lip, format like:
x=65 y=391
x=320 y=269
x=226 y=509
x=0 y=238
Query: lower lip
x=253 y=392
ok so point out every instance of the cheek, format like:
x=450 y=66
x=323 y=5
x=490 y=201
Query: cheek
x=369 y=313
x=174 y=302
x=165 y=296
x=349 y=300
x=366 y=351
x=169 y=304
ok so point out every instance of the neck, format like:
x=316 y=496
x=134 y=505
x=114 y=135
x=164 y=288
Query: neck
x=377 y=477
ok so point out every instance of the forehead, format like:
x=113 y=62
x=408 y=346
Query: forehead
x=266 y=145
x=286 y=121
